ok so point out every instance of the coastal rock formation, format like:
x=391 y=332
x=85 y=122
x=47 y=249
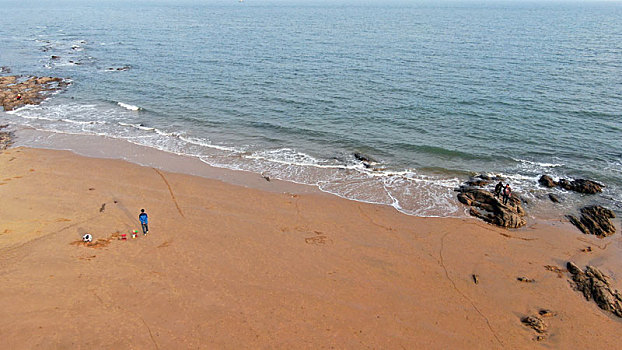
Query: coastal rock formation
x=489 y=208
x=16 y=91
x=547 y=181
x=595 y=220
x=595 y=285
x=578 y=185
x=6 y=138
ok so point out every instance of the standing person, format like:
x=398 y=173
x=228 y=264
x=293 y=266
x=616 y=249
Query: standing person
x=144 y=221
x=507 y=193
x=498 y=189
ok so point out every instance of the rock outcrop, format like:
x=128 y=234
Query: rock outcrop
x=595 y=220
x=547 y=181
x=535 y=323
x=16 y=91
x=596 y=286
x=489 y=208
x=6 y=138
x=578 y=185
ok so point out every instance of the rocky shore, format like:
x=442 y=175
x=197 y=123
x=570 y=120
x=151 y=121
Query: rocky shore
x=16 y=91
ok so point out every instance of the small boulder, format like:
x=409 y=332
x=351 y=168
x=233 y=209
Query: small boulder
x=554 y=198
x=535 y=323
x=581 y=186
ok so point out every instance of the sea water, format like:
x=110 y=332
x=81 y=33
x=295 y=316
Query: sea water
x=428 y=92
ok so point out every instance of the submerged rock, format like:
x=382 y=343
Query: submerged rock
x=595 y=220
x=510 y=215
x=596 y=286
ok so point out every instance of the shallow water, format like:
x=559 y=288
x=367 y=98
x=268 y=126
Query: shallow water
x=431 y=93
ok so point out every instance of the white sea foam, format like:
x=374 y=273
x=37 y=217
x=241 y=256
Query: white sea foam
x=129 y=107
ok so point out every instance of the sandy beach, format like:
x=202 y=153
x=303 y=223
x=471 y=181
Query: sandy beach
x=233 y=267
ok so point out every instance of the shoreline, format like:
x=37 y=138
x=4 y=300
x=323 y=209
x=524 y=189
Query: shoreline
x=276 y=269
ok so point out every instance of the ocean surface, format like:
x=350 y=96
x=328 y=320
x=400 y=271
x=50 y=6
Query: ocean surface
x=429 y=92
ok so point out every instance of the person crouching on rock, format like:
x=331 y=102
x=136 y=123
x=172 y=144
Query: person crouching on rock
x=507 y=193
x=498 y=189
x=18 y=97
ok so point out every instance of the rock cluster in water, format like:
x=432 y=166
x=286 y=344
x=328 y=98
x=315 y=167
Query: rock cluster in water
x=16 y=91
x=594 y=220
x=578 y=185
x=596 y=286
x=484 y=205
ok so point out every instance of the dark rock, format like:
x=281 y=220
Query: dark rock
x=595 y=220
x=547 y=181
x=509 y=215
x=16 y=92
x=54 y=57
x=525 y=279
x=535 y=323
x=596 y=286
x=554 y=198
x=581 y=186
x=546 y=313
x=479 y=181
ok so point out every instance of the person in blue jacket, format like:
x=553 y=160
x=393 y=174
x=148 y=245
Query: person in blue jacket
x=144 y=220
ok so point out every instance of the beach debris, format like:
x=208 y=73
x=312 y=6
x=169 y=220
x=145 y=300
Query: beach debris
x=554 y=198
x=577 y=185
x=16 y=91
x=484 y=205
x=525 y=279
x=100 y=243
x=124 y=237
x=595 y=220
x=87 y=238
x=101 y=210
x=596 y=286
x=535 y=323
x=266 y=177
x=6 y=138
x=475 y=278
x=91 y=189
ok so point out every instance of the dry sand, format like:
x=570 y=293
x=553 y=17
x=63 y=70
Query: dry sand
x=228 y=267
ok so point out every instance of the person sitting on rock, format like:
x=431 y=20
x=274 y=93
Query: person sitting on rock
x=507 y=193
x=498 y=189
x=18 y=97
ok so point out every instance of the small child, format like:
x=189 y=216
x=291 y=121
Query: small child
x=144 y=221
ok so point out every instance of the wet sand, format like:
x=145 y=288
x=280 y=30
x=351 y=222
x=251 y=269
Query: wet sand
x=232 y=267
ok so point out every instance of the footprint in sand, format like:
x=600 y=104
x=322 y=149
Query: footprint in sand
x=319 y=239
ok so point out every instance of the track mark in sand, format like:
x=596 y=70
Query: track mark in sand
x=516 y=237
x=150 y=334
x=171 y=192
x=372 y=221
x=319 y=239
x=165 y=244
x=442 y=263
x=596 y=245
